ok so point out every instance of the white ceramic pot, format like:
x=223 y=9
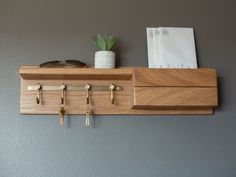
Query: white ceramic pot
x=104 y=59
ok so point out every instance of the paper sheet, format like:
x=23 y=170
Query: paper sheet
x=171 y=48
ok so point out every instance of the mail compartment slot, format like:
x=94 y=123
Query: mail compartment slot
x=186 y=97
x=174 y=77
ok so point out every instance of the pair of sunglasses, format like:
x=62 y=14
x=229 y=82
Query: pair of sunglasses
x=63 y=64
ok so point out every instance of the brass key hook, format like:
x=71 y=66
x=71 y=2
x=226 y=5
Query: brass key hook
x=112 y=88
x=62 y=110
x=87 y=88
x=38 y=87
x=63 y=88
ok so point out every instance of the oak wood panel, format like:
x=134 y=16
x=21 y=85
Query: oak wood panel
x=126 y=99
x=174 y=77
x=36 y=73
x=100 y=101
x=152 y=97
x=75 y=104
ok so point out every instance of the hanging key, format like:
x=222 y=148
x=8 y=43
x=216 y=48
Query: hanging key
x=38 y=87
x=87 y=88
x=87 y=119
x=89 y=122
x=62 y=114
x=63 y=88
x=112 y=88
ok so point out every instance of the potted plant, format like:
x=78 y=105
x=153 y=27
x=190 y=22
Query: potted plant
x=105 y=57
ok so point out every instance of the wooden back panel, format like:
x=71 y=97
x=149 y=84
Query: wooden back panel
x=186 y=91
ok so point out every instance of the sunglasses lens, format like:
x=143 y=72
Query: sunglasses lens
x=63 y=64
x=75 y=63
x=49 y=64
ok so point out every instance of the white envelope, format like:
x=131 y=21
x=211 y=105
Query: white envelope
x=171 y=48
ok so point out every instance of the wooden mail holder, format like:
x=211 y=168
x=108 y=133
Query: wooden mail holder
x=118 y=91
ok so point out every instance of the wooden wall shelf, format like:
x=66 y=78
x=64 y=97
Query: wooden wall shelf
x=144 y=91
x=36 y=73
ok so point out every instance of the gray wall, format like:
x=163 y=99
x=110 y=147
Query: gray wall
x=120 y=146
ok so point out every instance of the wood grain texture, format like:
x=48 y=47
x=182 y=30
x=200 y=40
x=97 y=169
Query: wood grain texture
x=100 y=104
x=154 y=97
x=36 y=73
x=190 y=98
x=175 y=77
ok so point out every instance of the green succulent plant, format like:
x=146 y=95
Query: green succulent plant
x=104 y=42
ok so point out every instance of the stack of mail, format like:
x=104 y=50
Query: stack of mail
x=171 y=48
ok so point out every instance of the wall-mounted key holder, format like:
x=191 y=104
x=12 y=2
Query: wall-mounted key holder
x=63 y=87
x=118 y=91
